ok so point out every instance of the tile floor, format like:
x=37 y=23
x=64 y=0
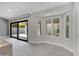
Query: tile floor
x=21 y=48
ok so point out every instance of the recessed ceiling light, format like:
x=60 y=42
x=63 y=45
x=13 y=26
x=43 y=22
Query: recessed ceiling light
x=9 y=10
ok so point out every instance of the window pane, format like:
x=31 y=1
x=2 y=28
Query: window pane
x=39 y=27
x=67 y=26
x=48 y=27
x=56 y=30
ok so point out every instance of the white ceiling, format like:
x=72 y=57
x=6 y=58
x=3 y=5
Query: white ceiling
x=13 y=9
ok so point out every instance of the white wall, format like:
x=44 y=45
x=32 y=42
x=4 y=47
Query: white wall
x=33 y=38
x=4 y=27
x=77 y=30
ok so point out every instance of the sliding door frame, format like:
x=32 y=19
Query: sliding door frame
x=18 y=30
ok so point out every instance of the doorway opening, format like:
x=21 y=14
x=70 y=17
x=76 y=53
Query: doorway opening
x=19 y=30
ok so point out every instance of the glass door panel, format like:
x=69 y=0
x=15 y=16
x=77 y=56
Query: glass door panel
x=23 y=30
x=14 y=30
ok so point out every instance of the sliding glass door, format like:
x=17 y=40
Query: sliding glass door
x=19 y=30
